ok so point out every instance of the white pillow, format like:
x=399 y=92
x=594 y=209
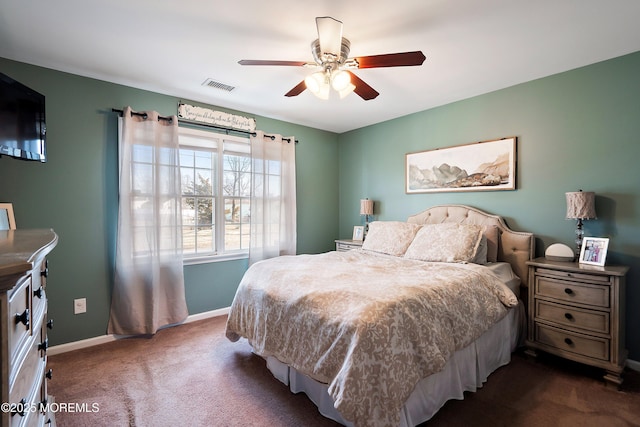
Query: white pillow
x=446 y=242
x=390 y=237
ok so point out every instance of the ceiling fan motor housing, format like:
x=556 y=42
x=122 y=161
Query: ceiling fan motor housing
x=326 y=58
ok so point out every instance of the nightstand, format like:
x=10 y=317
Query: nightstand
x=343 y=245
x=577 y=311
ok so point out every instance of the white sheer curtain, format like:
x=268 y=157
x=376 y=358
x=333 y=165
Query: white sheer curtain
x=148 y=289
x=273 y=197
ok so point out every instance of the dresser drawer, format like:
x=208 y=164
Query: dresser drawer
x=19 y=316
x=585 y=345
x=589 y=320
x=28 y=382
x=573 y=292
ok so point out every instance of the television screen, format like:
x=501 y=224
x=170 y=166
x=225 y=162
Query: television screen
x=22 y=121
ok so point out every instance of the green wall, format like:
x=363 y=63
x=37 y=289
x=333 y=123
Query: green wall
x=75 y=193
x=576 y=130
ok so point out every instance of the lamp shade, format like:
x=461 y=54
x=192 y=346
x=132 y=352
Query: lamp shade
x=581 y=205
x=366 y=207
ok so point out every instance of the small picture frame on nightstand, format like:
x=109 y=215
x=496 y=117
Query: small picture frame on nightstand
x=358 y=233
x=594 y=250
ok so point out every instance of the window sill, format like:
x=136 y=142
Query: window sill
x=214 y=258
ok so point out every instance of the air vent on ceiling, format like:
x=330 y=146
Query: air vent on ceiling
x=217 y=85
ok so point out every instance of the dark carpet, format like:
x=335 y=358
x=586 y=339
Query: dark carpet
x=191 y=375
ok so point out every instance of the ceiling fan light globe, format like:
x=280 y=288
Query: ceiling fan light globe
x=340 y=80
x=317 y=84
x=346 y=91
x=324 y=92
x=314 y=82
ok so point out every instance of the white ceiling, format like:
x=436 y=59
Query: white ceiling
x=172 y=47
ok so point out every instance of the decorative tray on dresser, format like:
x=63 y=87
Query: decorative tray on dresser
x=23 y=327
x=577 y=312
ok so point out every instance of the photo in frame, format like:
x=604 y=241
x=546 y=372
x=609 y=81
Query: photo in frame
x=594 y=250
x=358 y=233
x=480 y=166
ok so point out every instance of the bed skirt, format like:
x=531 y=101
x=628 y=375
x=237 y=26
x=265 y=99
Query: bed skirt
x=467 y=370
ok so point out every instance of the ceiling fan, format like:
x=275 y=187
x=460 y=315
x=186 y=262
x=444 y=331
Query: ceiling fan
x=331 y=53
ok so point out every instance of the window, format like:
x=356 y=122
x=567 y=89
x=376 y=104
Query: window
x=216 y=183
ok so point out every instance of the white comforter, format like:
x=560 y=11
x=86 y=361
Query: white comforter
x=371 y=326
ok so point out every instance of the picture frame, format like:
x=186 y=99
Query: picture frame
x=358 y=233
x=594 y=250
x=7 y=218
x=479 y=166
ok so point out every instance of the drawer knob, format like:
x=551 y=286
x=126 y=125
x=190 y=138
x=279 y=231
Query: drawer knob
x=50 y=324
x=20 y=408
x=49 y=374
x=23 y=318
x=568 y=316
x=45 y=273
x=38 y=292
x=568 y=291
x=568 y=341
x=44 y=345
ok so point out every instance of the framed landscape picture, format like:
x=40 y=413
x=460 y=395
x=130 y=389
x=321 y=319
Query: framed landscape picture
x=480 y=166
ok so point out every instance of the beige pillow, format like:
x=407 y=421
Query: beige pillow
x=491 y=232
x=390 y=237
x=446 y=242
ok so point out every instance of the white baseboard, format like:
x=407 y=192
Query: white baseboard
x=633 y=364
x=89 y=342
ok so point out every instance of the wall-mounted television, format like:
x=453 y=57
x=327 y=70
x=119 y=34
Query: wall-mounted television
x=22 y=121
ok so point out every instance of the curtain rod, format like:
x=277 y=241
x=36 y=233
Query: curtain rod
x=189 y=122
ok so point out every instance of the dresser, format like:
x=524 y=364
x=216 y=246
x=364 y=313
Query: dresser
x=343 y=245
x=23 y=327
x=578 y=312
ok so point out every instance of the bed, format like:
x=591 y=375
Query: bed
x=386 y=334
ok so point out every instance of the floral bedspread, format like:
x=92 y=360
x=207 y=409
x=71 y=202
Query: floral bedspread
x=370 y=326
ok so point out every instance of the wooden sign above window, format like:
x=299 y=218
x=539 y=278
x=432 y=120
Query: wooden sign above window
x=218 y=118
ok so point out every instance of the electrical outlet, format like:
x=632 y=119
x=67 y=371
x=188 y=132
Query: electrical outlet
x=79 y=305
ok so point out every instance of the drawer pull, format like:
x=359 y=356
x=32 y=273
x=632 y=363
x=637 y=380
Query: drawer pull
x=44 y=345
x=49 y=374
x=45 y=273
x=568 y=341
x=20 y=408
x=23 y=318
x=50 y=324
x=568 y=316
x=38 y=292
x=568 y=291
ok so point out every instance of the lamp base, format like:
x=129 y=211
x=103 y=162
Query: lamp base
x=579 y=235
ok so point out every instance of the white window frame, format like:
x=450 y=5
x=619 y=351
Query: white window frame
x=215 y=141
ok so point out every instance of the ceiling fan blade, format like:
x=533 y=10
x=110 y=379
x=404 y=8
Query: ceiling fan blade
x=300 y=87
x=268 y=62
x=329 y=34
x=404 y=59
x=363 y=90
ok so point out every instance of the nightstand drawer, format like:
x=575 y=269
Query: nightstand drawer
x=347 y=245
x=573 y=292
x=589 y=320
x=593 y=347
x=572 y=275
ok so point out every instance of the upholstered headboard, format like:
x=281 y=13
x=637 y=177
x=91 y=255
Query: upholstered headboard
x=514 y=247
